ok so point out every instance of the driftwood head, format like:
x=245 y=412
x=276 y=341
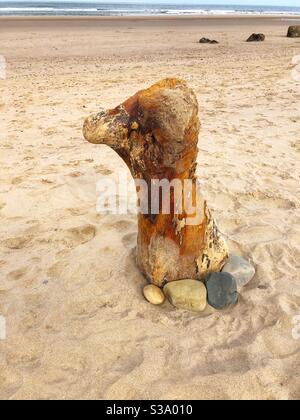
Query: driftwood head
x=155 y=131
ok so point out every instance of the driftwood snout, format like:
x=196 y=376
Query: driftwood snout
x=156 y=133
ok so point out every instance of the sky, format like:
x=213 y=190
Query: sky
x=219 y=2
x=240 y=2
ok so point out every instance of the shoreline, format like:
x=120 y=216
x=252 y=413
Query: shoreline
x=150 y=17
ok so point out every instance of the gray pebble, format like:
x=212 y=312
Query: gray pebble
x=240 y=269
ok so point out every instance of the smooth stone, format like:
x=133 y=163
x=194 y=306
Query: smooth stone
x=294 y=32
x=190 y=295
x=256 y=38
x=240 y=269
x=221 y=290
x=154 y=294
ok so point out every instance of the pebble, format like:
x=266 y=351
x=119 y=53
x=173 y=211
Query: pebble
x=240 y=269
x=154 y=294
x=221 y=290
x=187 y=294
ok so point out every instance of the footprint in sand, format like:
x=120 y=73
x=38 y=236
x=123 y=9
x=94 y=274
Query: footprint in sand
x=122 y=225
x=17 y=274
x=85 y=304
x=18 y=180
x=16 y=243
x=260 y=201
x=100 y=169
x=81 y=234
x=11 y=382
x=7 y=146
x=72 y=163
x=56 y=269
x=258 y=234
x=27 y=158
x=130 y=266
x=129 y=240
x=75 y=174
x=50 y=132
x=47 y=181
x=24 y=351
x=76 y=211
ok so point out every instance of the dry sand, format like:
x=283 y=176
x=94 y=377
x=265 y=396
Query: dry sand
x=77 y=323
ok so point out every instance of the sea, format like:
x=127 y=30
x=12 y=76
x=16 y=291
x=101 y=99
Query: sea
x=98 y=8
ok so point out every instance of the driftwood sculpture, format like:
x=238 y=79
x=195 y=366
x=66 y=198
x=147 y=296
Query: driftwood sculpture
x=156 y=133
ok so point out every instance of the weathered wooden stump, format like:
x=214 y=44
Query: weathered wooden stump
x=156 y=133
x=294 y=32
x=256 y=38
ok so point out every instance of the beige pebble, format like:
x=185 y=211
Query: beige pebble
x=187 y=294
x=154 y=294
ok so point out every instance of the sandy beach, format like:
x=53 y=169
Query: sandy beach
x=77 y=324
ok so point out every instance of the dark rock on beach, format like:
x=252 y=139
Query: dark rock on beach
x=221 y=290
x=256 y=38
x=294 y=32
x=207 y=41
x=204 y=41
